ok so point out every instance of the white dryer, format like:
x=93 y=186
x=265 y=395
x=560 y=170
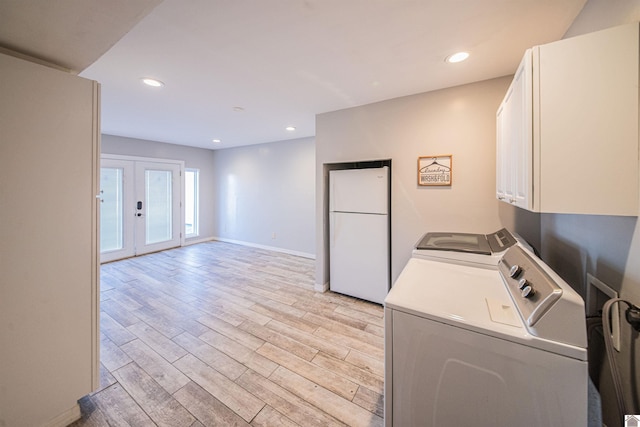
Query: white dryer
x=476 y=346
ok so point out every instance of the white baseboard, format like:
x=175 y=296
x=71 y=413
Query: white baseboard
x=70 y=415
x=269 y=248
x=321 y=287
x=196 y=241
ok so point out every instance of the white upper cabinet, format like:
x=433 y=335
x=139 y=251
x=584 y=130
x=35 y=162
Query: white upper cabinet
x=572 y=145
x=514 y=140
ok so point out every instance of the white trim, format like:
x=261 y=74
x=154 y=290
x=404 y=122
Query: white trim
x=592 y=306
x=319 y=287
x=140 y=159
x=195 y=241
x=269 y=248
x=183 y=231
x=95 y=242
x=67 y=417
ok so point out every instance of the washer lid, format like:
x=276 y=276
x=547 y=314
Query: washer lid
x=458 y=242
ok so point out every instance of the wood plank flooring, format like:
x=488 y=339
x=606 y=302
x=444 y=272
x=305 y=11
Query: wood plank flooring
x=217 y=334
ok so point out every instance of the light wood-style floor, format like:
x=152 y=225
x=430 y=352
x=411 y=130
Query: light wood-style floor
x=217 y=334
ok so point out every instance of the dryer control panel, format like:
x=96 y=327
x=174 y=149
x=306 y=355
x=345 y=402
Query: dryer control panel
x=548 y=306
x=531 y=288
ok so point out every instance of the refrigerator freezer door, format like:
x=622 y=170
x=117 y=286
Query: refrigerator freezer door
x=359 y=190
x=359 y=255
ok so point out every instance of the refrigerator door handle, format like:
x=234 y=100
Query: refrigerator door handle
x=332 y=230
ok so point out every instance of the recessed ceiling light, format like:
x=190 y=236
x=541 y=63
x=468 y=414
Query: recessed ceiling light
x=290 y=128
x=152 y=82
x=457 y=57
x=216 y=141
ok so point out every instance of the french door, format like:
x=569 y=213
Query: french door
x=141 y=207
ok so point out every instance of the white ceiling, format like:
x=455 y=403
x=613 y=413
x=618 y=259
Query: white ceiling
x=70 y=34
x=281 y=61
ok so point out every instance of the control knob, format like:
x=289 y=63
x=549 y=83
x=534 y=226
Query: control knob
x=528 y=291
x=522 y=283
x=514 y=271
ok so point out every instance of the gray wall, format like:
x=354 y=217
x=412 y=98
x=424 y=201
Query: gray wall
x=605 y=246
x=458 y=121
x=197 y=158
x=265 y=195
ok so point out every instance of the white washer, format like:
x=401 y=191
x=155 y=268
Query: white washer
x=466 y=346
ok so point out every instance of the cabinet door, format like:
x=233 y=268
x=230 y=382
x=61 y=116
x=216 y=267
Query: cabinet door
x=502 y=165
x=514 y=142
x=588 y=132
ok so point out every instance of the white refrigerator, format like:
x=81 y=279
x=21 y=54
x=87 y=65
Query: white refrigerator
x=359 y=233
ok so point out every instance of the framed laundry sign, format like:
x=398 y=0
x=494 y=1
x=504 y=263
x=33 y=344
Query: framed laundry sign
x=435 y=170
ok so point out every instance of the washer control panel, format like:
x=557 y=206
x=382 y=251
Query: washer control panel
x=532 y=289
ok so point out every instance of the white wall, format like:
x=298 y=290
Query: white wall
x=600 y=14
x=265 y=195
x=48 y=257
x=607 y=247
x=458 y=121
x=197 y=158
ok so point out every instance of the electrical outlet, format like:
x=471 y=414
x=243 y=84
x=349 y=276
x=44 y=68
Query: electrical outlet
x=597 y=294
x=273 y=236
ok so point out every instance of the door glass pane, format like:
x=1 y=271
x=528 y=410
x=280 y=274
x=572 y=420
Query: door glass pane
x=158 y=210
x=111 y=209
